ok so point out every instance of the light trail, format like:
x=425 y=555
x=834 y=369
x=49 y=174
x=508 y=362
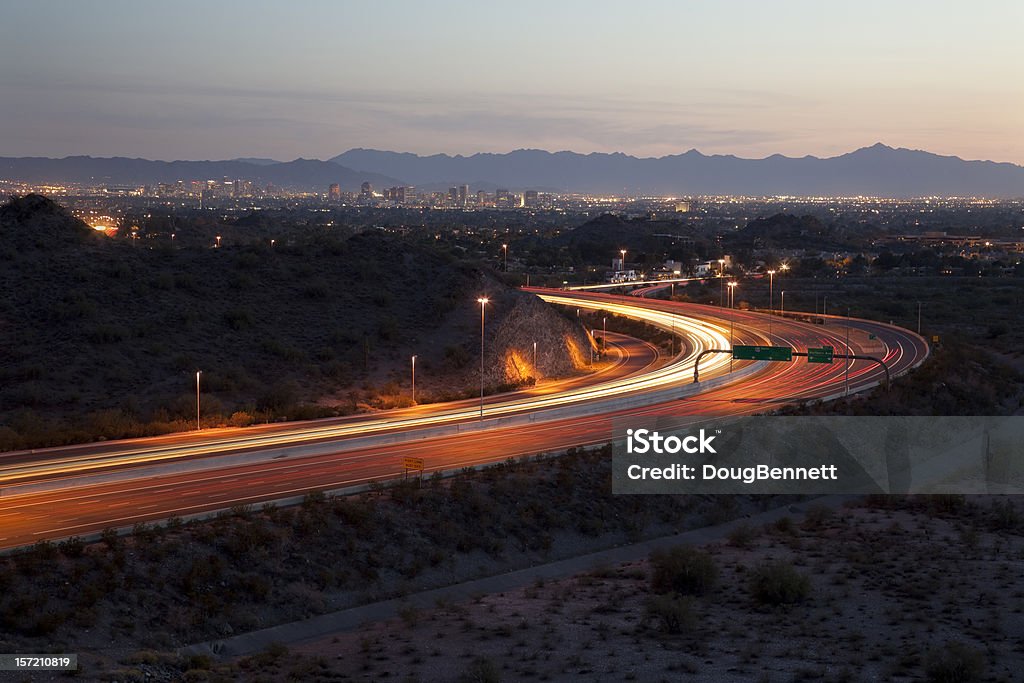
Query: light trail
x=701 y=335
x=339 y=454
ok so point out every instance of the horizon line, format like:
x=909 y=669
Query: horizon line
x=248 y=158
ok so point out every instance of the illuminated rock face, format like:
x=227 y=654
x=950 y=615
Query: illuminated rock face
x=515 y=322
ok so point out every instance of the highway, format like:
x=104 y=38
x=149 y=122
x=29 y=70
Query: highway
x=56 y=493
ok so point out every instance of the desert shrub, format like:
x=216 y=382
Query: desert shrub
x=742 y=536
x=482 y=670
x=674 y=612
x=240 y=418
x=778 y=583
x=72 y=547
x=817 y=517
x=683 y=570
x=955 y=662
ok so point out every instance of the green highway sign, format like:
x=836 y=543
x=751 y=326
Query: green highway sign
x=781 y=353
x=822 y=355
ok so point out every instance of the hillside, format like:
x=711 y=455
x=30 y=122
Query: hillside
x=104 y=337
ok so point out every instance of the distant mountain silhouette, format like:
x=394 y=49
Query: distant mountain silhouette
x=878 y=170
x=299 y=174
x=259 y=161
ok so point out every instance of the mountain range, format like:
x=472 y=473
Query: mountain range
x=878 y=170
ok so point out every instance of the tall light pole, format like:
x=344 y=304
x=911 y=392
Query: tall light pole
x=535 y=372
x=771 y=300
x=732 y=317
x=199 y=425
x=218 y=241
x=782 y=310
x=414 y=380
x=783 y=267
x=504 y=251
x=483 y=303
x=721 y=283
x=846 y=390
x=604 y=335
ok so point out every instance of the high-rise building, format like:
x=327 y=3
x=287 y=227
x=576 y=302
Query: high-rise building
x=366 y=191
x=334 y=192
x=531 y=198
x=453 y=195
x=501 y=198
x=481 y=198
x=463 y=194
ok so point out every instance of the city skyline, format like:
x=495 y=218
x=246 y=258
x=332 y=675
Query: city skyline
x=313 y=80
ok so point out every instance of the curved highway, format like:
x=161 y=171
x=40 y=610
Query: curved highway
x=81 y=490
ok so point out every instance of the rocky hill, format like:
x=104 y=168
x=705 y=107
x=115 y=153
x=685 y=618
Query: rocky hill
x=103 y=336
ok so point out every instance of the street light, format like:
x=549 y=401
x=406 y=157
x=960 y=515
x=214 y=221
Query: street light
x=846 y=390
x=721 y=283
x=414 y=380
x=732 y=317
x=483 y=301
x=218 y=241
x=604 y=335
x=198 y=424
x=504 y=250
x=783 y=267
x=535 y=362
x=771 y=300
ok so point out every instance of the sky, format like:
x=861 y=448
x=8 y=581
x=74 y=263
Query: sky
x=199 y=80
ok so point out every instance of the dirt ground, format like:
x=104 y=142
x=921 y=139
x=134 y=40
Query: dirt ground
x=892 y=593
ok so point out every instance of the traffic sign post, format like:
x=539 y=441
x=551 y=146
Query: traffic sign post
x=773 y=353
x=415 y=464
x=825 y=354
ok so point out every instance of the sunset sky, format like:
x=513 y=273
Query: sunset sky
x=191 y=80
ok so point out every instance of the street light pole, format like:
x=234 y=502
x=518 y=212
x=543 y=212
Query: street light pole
x=483 y=302
x=782 y=310
x=846 y=389
x=771 y=300
x=721 y=283
x=732 y=317
x=414 y=380
x=604 y=335
x=199 y=425
x=535 y=372
x=504 y=250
